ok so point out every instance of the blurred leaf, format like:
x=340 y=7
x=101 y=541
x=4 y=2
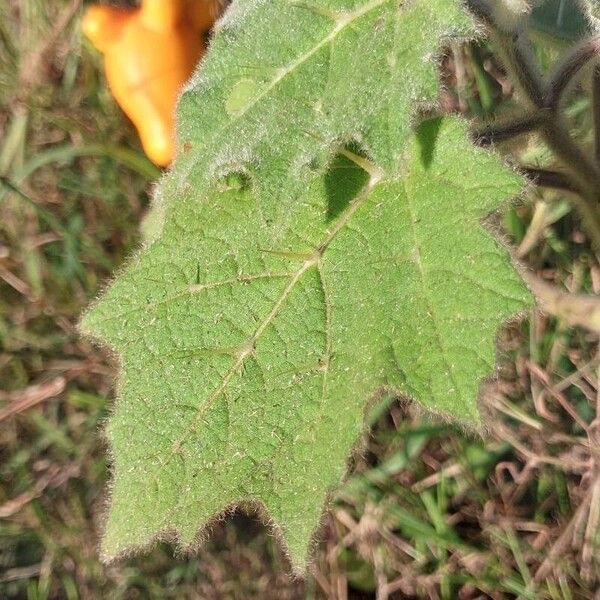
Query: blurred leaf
x=563 y=19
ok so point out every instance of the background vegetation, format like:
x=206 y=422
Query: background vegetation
x=428 y=512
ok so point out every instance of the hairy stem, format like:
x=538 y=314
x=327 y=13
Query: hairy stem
x=549 y=179
x=499 y=132
x=566 y=71
x=558 y=181
x=582 y=170
x=519 y=60
x=584 y=173
x=596 y=112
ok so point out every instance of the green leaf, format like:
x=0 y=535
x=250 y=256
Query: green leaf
x=564 y=19
x=292 y=280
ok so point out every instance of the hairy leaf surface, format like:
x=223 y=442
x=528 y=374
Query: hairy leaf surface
x=287 y=280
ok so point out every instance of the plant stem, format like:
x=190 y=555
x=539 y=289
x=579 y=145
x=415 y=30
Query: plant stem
x=565 y=72
x=549 y=179
x=557 y=181
x=519 y=62
x=499 y=132
x=596 y=111
x=582 y=170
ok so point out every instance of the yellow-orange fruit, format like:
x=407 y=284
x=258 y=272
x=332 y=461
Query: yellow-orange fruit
x=149 y=52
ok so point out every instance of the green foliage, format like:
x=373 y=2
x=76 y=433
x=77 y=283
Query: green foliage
x=287 y=280
x=564 y=19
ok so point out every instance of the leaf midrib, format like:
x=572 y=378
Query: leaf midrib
x=246 y=349
x=344 y=20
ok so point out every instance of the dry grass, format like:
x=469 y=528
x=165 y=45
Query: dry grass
x=428 y=513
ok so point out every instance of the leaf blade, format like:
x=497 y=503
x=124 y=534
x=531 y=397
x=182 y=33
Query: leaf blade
x=253 y=329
